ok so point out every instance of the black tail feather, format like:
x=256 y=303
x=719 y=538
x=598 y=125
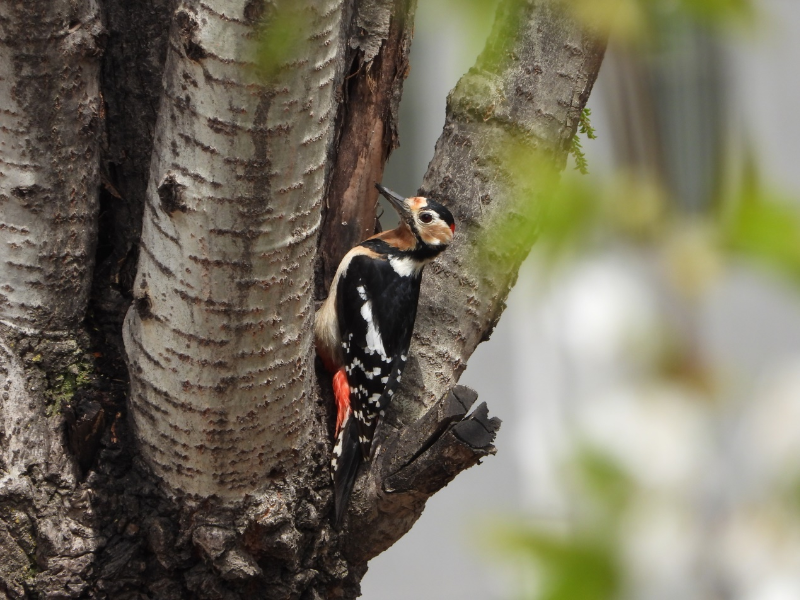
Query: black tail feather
x=347 y=462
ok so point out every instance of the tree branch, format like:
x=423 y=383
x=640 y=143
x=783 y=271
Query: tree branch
x=413 y=463
x=527 y=90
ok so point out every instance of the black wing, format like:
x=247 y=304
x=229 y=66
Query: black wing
x=377 y=309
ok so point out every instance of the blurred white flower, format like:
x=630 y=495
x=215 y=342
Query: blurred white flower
x=711 y=511
x=757 y=550
x=772 y=427
x=660 y=435
x=776 y=589
x=661 y=545
x=607 y=313
x=586 y=328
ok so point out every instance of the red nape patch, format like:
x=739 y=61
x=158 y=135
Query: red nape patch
x=453 y=228
x=341 y=391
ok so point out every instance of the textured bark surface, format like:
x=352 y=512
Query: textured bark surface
x=50 y=121
x=210 y=478
x=218 y=338
x=51 y=117
x=131 y=80
x=379 y=42
x=526 y=92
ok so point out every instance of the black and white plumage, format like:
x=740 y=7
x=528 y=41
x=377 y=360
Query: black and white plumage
x=363 y=329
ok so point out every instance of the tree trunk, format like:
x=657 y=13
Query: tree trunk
x=192 y=462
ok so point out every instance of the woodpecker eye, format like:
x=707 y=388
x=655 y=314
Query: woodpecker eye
x=426 y=217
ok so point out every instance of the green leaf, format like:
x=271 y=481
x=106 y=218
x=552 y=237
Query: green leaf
x=576 y=147
x=767 y=230
x=604 y=479
x=577 y=566
x=576 y=150
x=585 y=125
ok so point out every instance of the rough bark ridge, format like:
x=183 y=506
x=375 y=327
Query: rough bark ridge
x=51 y=116
x=218 y=338
x=221 y=490
x=50 y=111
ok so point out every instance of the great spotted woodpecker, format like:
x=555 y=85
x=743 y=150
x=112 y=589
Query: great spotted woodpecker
x=363 y=329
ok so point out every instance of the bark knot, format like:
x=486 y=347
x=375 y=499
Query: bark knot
x=187 y=27
x=170 y=192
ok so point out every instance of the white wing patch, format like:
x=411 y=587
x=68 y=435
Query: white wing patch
x=337 y=449
x=374 y=341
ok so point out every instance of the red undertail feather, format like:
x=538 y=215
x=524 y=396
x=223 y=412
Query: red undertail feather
x=341 y=391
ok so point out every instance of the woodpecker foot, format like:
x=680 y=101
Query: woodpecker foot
x=341 y=391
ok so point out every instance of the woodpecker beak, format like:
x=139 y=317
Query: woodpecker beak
x=397 y=201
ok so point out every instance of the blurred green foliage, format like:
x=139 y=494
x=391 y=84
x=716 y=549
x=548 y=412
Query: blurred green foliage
x=572 y=214
x=606 y=482
x=574 y=567
x=638 y=22
x=583 y=562
x=282 y=38
x=569 y=213
x=641 y=21
x=764 y=226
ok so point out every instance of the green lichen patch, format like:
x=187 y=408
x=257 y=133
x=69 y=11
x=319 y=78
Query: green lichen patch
x=57 y=364
x=63 y=386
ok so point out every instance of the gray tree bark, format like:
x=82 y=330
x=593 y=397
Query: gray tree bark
x=156 y=189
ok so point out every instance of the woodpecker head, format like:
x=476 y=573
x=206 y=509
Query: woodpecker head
x=430 y=222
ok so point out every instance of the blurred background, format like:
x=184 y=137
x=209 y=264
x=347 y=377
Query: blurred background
x=647 y=368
